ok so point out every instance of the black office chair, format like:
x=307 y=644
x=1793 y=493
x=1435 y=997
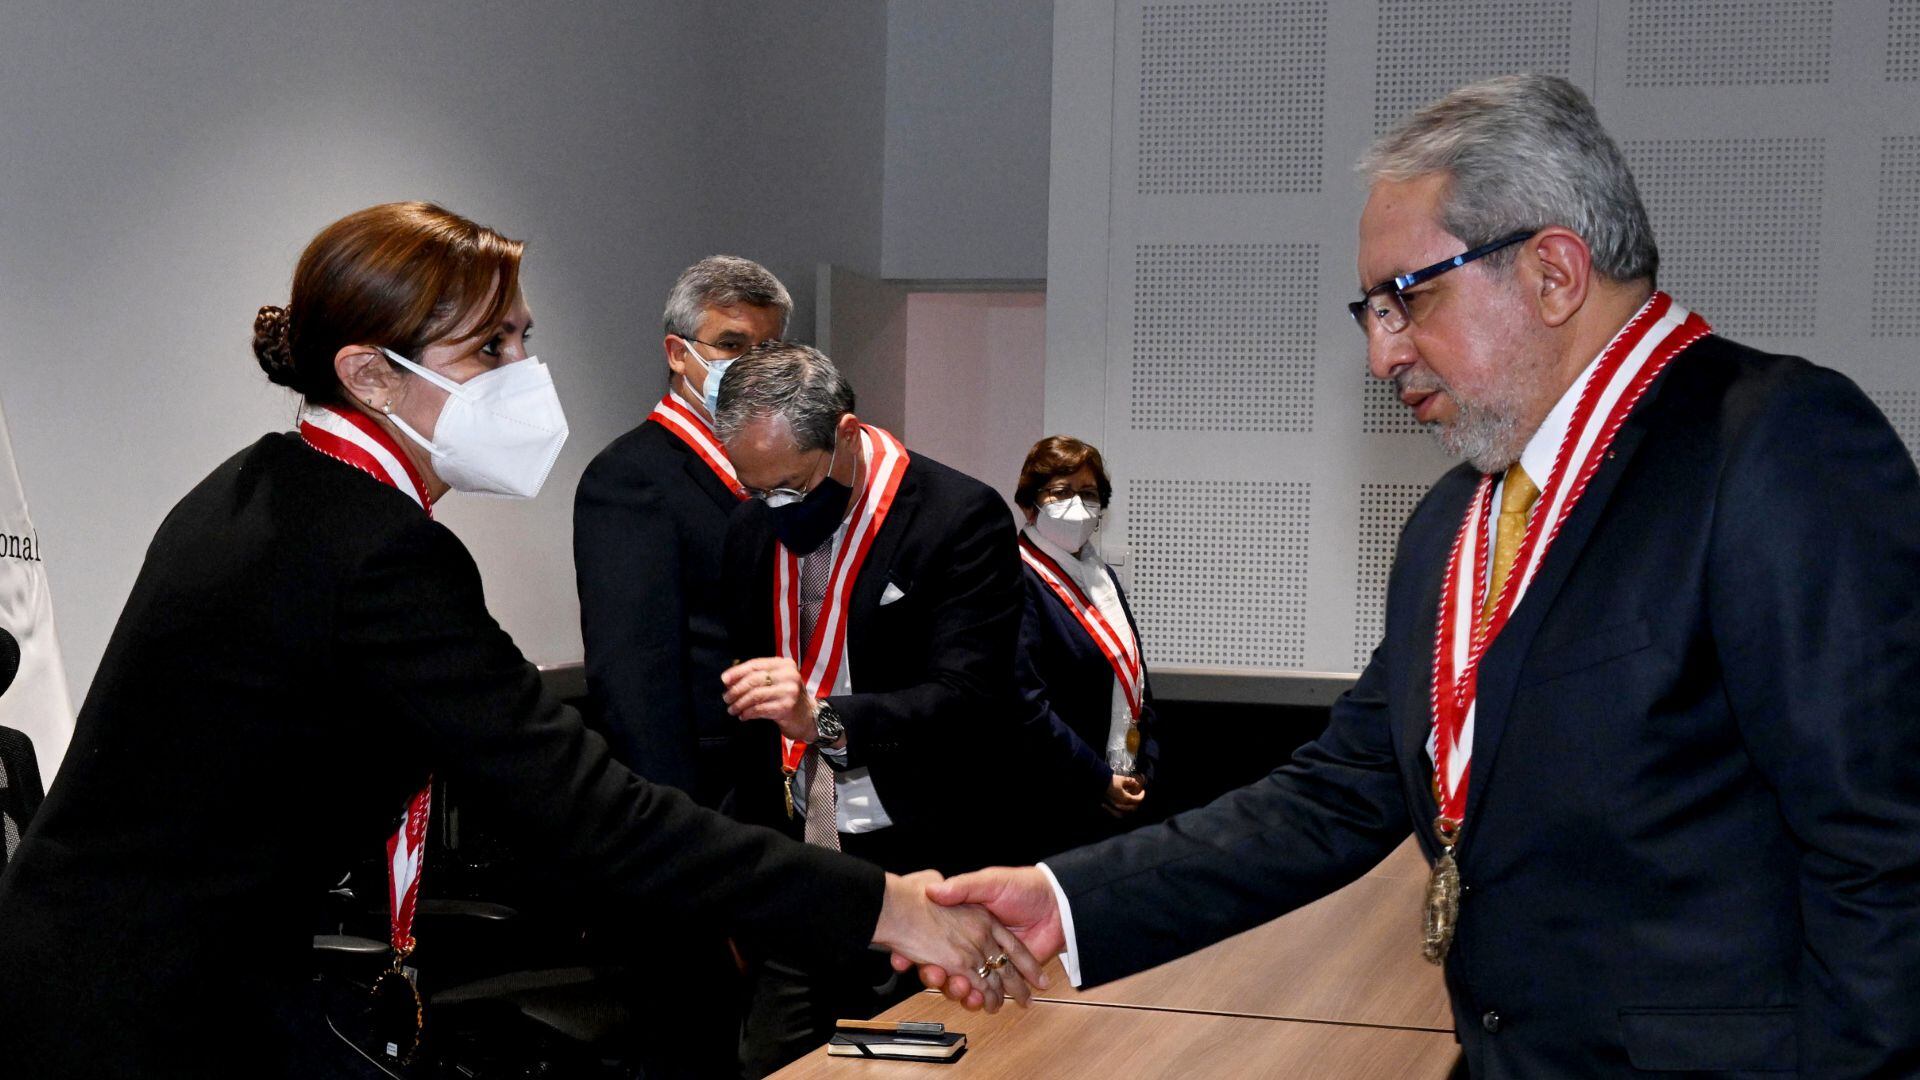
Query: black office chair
x=511 y=988
x=20 y=790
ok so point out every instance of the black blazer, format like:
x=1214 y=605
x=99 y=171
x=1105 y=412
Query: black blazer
x=302 y=647
x=1692 y=836
x=933 y=695
x=648 y=523
x=1066 y=693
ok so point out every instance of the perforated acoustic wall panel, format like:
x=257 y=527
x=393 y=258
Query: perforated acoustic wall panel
x=1903 y=410
x=1383 y=511
x=1895 y=310
x=1204 y=222
x=1738 y=223
x=1672 y=43
x=1381 y=411
x=1223 y=337
x=1428 y=47
x=1220 y=570
x=1233 y=97
x=1903 y=41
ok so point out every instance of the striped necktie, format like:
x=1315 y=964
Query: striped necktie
x=823 y=823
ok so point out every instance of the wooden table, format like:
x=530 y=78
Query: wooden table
x=1334 y=989
x=1352 y=957
x=1061 y=1041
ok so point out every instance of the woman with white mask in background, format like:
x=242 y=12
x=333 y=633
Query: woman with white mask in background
x=1088 y=710
x=302 y=650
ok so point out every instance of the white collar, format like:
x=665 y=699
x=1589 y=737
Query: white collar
x=1541 y=450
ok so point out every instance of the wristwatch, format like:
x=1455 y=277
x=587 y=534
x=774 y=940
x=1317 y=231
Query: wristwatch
x=827 y=727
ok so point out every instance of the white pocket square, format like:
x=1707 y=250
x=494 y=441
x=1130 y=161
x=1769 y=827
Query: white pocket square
x=890 y=594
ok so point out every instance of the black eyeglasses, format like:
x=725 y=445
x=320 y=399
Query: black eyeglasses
x=1389 y=307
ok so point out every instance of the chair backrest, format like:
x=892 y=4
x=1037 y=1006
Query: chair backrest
x=20 y=790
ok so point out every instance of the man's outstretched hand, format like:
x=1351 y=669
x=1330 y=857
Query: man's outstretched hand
x=1020 y=899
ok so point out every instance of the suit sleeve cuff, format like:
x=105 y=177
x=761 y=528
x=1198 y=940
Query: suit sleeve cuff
x=1070 y=958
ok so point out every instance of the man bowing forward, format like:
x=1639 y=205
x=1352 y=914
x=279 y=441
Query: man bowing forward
x=876 y=595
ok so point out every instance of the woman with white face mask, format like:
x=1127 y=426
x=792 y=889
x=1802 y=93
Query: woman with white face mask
x=1088 y=709
x=303 y=649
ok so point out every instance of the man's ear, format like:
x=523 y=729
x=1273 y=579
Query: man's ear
x=1561 y=266
x=847 y=428
x=367 y=374
x=677 y=361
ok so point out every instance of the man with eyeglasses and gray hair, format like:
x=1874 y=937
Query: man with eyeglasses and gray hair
x=648 y=522
x=874 y=595
x=1646 y=693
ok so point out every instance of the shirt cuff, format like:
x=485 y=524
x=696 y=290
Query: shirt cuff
x=838 y=757
x=1069 y=959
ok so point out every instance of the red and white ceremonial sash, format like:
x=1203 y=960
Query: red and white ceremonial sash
x=352 y=437
x=686 y=425
x=1120 y=649
x=1657 y=333
x=824 y=658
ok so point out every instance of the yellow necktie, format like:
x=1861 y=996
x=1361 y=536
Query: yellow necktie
x=1516 y=500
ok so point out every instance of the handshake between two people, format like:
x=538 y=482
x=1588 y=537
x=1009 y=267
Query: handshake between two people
x=979 y=938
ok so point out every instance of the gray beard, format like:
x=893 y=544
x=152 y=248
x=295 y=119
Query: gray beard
x=1485 y=438
x=1484 y=434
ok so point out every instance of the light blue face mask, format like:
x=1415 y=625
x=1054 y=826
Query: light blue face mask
x=710 y=389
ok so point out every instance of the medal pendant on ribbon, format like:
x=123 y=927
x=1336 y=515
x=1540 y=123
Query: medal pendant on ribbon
x=786 y=784
x=398 y=1014
x=1442 y=913
x=1133 y=739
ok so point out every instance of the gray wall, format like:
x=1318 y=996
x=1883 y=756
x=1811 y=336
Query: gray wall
x=968 y=86
x=1202 y=249
x=165 y=164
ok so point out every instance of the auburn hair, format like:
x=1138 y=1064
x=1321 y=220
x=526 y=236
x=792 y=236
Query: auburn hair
x=1056 y=456
x=399 y=275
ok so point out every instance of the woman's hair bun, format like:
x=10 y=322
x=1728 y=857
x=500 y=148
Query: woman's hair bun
x=272 y=345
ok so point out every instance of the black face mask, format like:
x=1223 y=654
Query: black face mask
x=804 y=525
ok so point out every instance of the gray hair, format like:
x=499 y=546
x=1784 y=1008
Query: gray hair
x=722 y=281
x=1524 y=152
x=788 y=381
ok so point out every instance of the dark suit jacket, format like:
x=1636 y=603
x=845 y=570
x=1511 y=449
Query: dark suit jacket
x=1066 y=690
x=648 y=523
x=933 y=697
x=1692 y=835
x=302 y=647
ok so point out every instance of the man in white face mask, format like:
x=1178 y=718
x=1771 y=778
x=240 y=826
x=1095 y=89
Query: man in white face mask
x=648 y=522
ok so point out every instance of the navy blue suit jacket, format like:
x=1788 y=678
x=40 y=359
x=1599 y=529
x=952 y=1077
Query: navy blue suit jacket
x=1066 y=693
x=649 y=522
x=1692 y=833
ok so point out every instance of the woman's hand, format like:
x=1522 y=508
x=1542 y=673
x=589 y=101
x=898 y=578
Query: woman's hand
x=1124 y=794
